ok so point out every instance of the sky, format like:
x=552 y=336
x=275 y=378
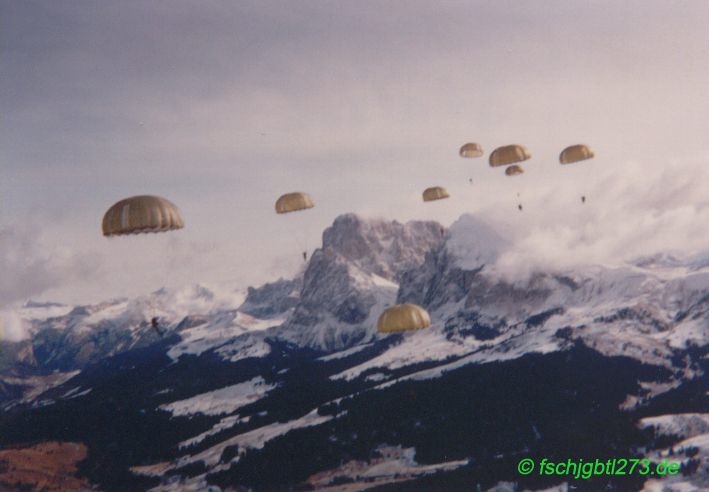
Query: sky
x=223 y=106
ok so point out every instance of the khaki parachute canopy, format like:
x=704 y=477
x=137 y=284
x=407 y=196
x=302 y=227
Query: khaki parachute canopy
x=514 y=170
x=471 y=150
x=403 y=317
x=575 y=153
x=435 y=193
x=141 y=214
x=508 y=154
x=292 y=202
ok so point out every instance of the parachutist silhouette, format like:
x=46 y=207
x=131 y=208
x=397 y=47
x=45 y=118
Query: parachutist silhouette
x=583 y=199
x=519 y=207
x=471 y=180
x=305 y=256
x=156 y=325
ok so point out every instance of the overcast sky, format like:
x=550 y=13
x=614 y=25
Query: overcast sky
x=223 y=106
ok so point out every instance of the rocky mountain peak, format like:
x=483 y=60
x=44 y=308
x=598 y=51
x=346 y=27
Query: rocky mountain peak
x=385 y=248
x=355 y=275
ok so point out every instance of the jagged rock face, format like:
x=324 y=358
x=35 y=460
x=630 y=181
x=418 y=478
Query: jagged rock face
x=458 y=286
x=328 y=277
x=440 y=281
x=384 y=248
x=437 y=281
x=516 y=300
x=69 y=348
x=272 y=298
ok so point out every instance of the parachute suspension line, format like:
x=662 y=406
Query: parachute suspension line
x=304 y=234
x=576 y=153
x=470 y=150
x=295 y=202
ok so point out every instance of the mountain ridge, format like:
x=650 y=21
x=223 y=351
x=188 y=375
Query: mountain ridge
x=240 y=374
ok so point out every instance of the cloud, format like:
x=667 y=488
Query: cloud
x=30 y=267
x=12 y=327
x=632 y=210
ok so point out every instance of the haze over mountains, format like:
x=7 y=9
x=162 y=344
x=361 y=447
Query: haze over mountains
x=290 y=385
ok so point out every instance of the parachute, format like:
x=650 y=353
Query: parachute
x=514 y=170
x=575 y=153
x=435 y=193
x=141 y=214
x=471 y=150
x=508 y=154
x=403 y=317
x=292 y=202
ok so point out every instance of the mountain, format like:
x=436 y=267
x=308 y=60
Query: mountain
x=289 y=386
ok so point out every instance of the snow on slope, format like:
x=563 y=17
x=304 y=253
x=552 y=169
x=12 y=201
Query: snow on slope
x=222 y=401
x=419 y=346
x=224 y=423
x=394 y=464
x=254 y=439
x=224 y=332
x=685 y=425
x=694 y=428
x=170 y=305
x=344 y=353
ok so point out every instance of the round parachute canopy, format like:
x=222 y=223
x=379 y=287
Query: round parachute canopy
x=514 y=170
x=471 y=150
x=403 y=317
x=509 y=154
x=575 y=153
x=141 y=214
x=435 y=193
x=292 y=202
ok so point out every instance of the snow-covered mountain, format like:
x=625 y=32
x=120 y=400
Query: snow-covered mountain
x=289 y=384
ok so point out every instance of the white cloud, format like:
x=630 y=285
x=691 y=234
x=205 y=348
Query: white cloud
x=632 y=210
x=30 y=267
x=12 y=327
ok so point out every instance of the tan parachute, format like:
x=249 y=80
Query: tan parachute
x=471 y=150
x=508 y=154
x=292 y=202
x=141 y=214
x=514 y=170
x=575 y=153
x=435 y=193
x=403 y=317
